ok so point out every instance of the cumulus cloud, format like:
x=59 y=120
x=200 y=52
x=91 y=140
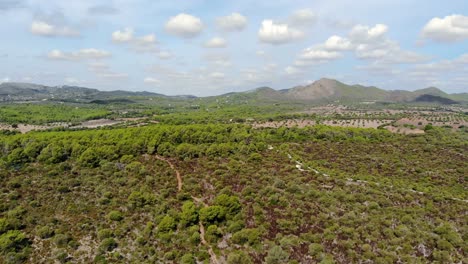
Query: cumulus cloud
x=82 y=54
x=216 y=42
x=146 y=43
x=42 y=28
x=124 y=35
x=448 y=29
x=319 y=54
x=184 y=25
x=232 y=22
x=337 y=43
x=303 y=17
x=276 y=33
x=364 y=33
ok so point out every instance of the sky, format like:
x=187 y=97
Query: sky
x=202 y=47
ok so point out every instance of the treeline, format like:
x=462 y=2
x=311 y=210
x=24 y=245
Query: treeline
x=39 y=114
x=90 y=147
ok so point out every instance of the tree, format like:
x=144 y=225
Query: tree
x=189 y=214
x=212 y=214
x=167 y=224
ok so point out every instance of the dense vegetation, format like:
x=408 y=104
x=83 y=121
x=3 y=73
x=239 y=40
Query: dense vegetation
x=49 y=113
x=286 y=195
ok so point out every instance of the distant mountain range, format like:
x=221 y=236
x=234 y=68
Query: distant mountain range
x=326 y=90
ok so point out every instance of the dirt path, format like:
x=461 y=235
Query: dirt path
x=214 y=258
x=179 y=178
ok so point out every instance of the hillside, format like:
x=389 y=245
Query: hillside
x=323 y=90
x=29 y=91
x=329 y=90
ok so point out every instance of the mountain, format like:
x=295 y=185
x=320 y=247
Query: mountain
x=329 y=90
x=428 y=98
x=323 y=90
x=28 y=91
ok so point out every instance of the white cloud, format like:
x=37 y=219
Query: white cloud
x=45 y=29
x=150 y=80
x=275 y=33
x=113 y=75
x=146 y=43
x=184 y=25
x=363 y=33
x=232 y=22
x=319 y=54
x=448 y=29
x=303 y=17
x=125 y=35
x=337 y=43
x=216 y=42
x=78 y=55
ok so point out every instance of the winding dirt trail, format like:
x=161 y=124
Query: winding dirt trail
x=213 y=257
x=179 y=178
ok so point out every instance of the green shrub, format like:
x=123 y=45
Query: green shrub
x=45 y=232
x=167 y=224
x=189 y=214
x=61 y=240
x=239 y=257
x=250 y=236
x=115 y=216
x=276 y=255
x=108 y=244
x=13 y=241
x=105 y=233
x=187 y=259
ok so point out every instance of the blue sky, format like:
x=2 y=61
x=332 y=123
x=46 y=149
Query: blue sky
x=212 y=47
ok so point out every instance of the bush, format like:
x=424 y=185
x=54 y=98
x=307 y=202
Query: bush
x=105 y=233
x=249 y=235
x=108 y=244
x=212 y=214
x=189 y=214
x=276 y=255
x=239 y=257
x=231 y=203
x=187 y=259
x=45 y=232
x=167 y=224
x=13 y=241
x=61 y=240
x=115 y=216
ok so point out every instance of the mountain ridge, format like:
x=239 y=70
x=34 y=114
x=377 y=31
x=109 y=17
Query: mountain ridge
x=324 y=89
